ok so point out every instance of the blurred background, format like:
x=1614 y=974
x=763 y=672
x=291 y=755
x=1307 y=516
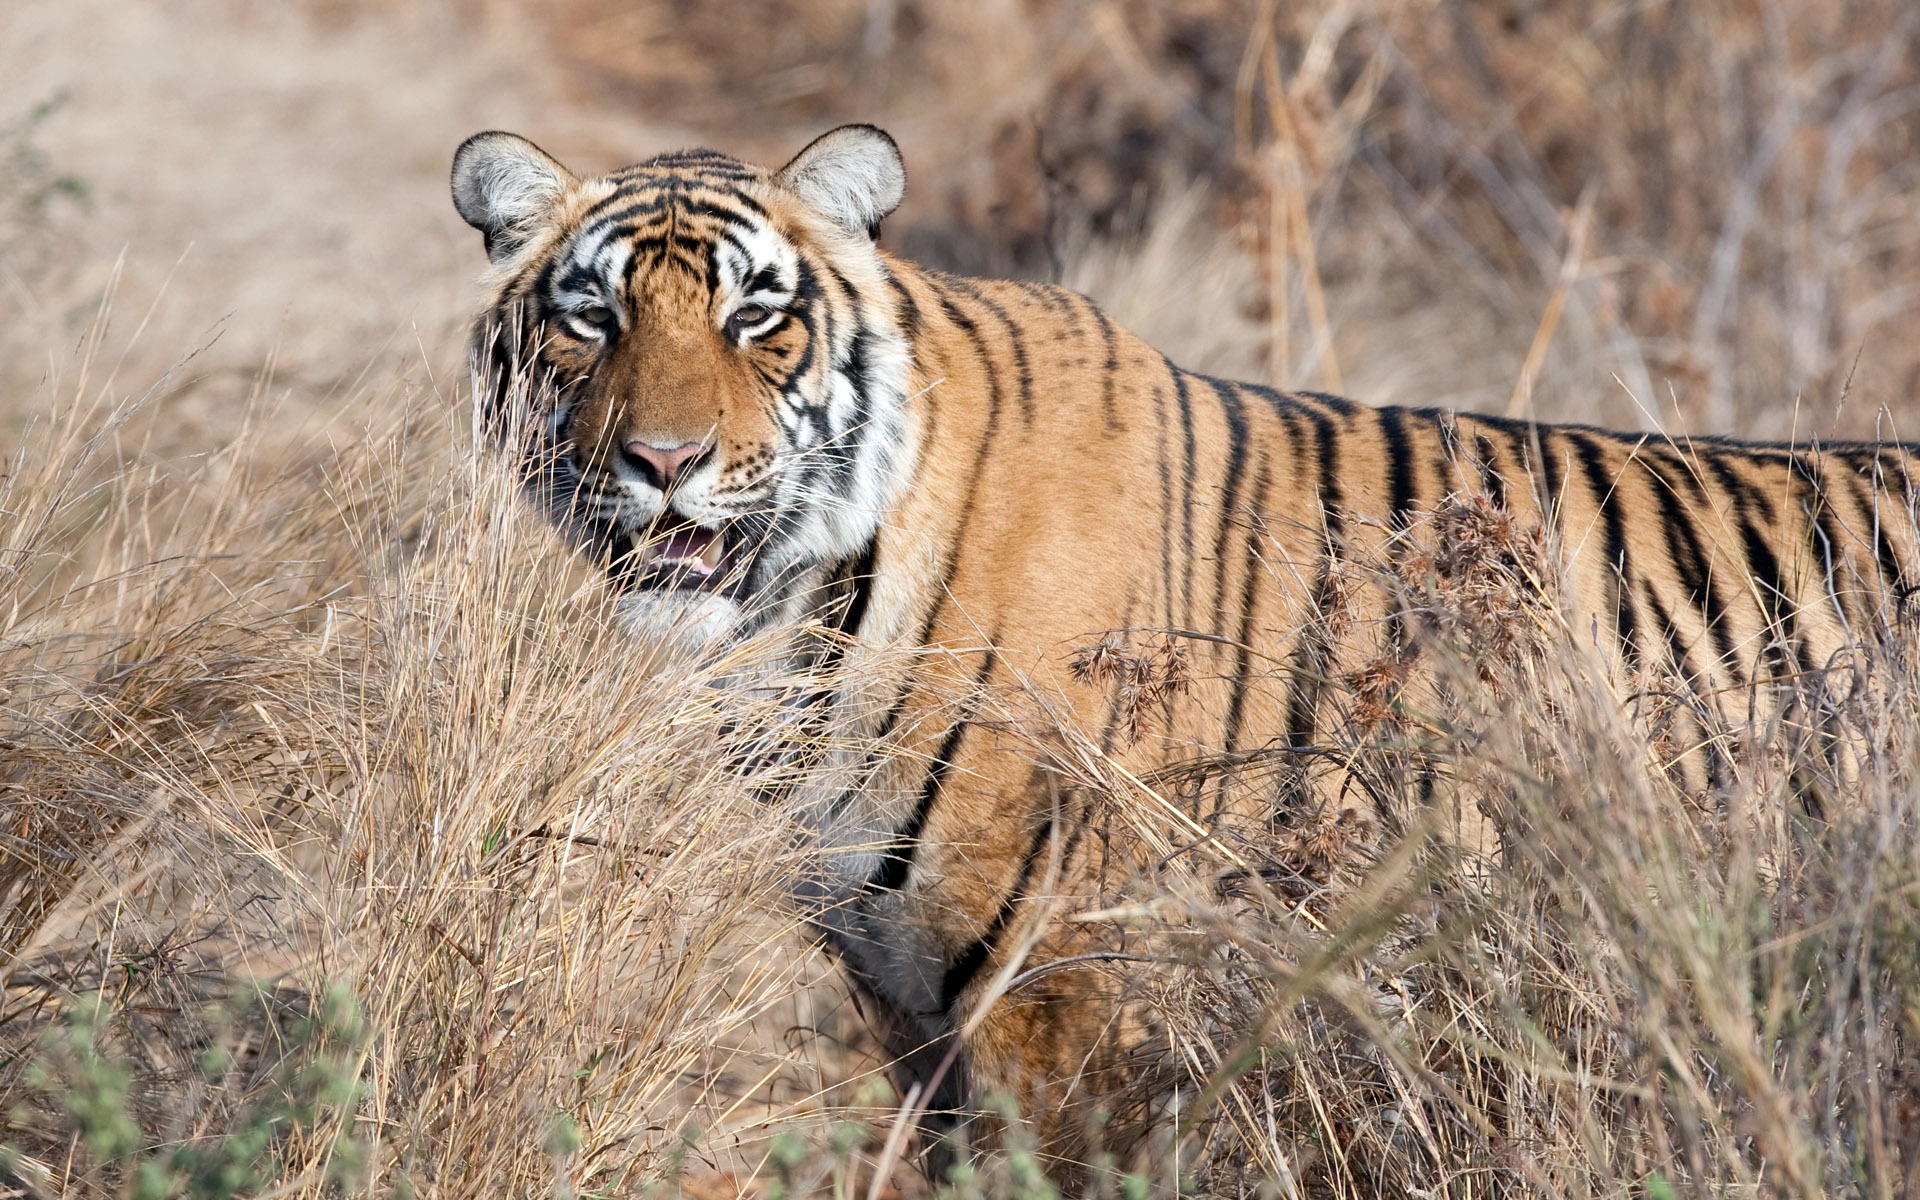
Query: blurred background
x=1689 y=214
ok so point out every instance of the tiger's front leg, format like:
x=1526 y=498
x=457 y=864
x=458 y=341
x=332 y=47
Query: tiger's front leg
x=1048 y=1039
x=1056 y=1056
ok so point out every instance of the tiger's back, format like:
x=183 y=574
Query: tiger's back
x=1001 y=507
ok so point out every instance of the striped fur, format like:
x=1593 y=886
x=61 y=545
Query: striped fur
x=971 y=480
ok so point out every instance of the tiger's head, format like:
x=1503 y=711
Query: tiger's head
x=713 y=358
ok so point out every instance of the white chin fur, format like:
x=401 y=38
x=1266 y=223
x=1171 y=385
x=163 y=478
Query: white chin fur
x=678 y=621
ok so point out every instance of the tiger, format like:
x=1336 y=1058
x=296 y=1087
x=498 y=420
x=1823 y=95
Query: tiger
x=759 y=419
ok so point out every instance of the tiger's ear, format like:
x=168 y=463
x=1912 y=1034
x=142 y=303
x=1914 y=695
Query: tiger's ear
x=503 y=184
x=853 y=175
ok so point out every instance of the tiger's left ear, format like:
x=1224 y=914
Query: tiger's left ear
x=853 y=175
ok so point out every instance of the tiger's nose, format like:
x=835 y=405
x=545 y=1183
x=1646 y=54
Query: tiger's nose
x=662 y=466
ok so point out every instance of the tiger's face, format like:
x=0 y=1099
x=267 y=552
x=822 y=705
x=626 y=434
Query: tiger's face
x=720 y=370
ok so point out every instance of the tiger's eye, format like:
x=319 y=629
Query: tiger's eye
x=747 y=316
x=597 y=315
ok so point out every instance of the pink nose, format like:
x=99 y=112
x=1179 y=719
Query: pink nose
x=662 y=465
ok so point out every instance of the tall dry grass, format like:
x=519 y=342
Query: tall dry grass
x=1573 y=966
x=355 y=726
x=347 y=849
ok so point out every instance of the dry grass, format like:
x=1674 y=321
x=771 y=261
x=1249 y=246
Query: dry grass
x=1569 y=971
x=359 y=725
x=346 y=848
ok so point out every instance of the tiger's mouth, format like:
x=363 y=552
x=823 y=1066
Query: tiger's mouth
x=675 y=554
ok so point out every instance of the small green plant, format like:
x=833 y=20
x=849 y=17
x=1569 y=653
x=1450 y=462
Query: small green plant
x=93 y=1087
x=82 y=1076
x=1015 y=1171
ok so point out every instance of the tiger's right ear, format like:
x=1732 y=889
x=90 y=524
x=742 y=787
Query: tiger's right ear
x=503 y=184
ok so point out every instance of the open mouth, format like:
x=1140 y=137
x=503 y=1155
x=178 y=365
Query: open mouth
x=674 y=552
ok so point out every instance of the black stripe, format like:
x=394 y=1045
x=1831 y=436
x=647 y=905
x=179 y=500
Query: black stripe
x=1591 y=451
x=1691 y=561
x=950 y=560
x=1338 y=406
x=1236 y=417
x=1486 y=461
x=969 y=961
x=1762 y=567
x=860 y=576
x=1307 y=665
x=1519 y=438
x=766 y=279
x=1682 y=657
x=625 y=207
x=814 y=317
x=1187 y=494
x=1400 y=466
x=690 y=254
x=749 y=208
x=1550 y=481
x=1679 y=652
x=1278 y=401
x=806 y=284
x=1016 y=341
x=576 y=278
x=1401 y=496
x=896 y=860
x=730 y=234
x=1023 y=369
x=1081 y=822
x=1892 y=578
x=1306 y=674
x=1109 y=367
x=1243 y=637
x=715 y=176
x=1185 y=400
x=1819 y=511
x=697 y=156
x=1110 y=729
x=1327 y=458
x=909 y=309
x=1164 y=462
